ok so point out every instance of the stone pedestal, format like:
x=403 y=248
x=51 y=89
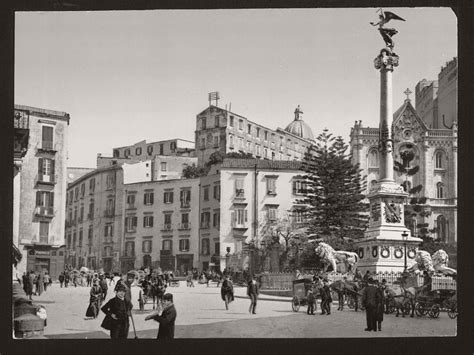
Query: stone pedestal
x=383 y=247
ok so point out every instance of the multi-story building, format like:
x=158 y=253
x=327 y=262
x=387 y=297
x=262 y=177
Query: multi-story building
x=436 y=100
x=239 y=198
x=434 y=146
x=94 y=221
x=42 y=190
x=161 y=225
x=219 y=130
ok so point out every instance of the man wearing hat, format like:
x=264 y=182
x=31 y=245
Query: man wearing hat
x=370 y=299
x=166 y=319
x=326 y=298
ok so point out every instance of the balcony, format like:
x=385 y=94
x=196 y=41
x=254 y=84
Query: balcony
x=184 y=226
x=46 y=179
x=109 y=213
x=90 y=216
x=47 y=147
x=186 y=204
x=165 y=252
x=42 y=211
x=167 y=227
x=131 y=229
x=131 y=206
x=237 y=225
x=205 y=225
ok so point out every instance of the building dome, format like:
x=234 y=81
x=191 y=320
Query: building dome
x=298 y=127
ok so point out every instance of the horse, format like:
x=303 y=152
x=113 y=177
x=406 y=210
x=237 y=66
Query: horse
x=154 y=288
x=408 y=290
x=400 y=299
x=329 y=256
x=440 y=263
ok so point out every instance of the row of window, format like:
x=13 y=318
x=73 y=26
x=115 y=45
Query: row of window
x=374 y=159
x=147 y=247
x=262 y=151
x=299 y=187
x=148 y=221
x=149 y=150
x=168 y=196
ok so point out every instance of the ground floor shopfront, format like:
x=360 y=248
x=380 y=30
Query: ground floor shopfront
x=43 y=257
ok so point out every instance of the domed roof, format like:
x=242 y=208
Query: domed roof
x=298 y=127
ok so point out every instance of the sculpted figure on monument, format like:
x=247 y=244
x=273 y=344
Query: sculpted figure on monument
x=387 y=33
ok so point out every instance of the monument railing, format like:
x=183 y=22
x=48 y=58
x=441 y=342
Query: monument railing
x=284 y=280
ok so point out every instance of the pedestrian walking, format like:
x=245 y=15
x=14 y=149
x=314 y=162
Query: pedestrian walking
x=95 y=300
x=25 y=280
x=46 y=282
x=326 y=298
x=31 y=284
x=311 y=302
x=61 y=279
x=66 y=279
x=166 y=318
x=253 y=291
x=103 y=286
x=40 y=283
x=370 y=297
x=89 y=279
x=379 y=310
x=117 y=311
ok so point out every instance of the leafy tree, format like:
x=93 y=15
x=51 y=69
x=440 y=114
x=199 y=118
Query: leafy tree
x=192 y=171
x=336 y=210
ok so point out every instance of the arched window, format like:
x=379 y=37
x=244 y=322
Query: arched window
x=439 y=160
x=441 y=228
x=373 y=158
x=439 y=190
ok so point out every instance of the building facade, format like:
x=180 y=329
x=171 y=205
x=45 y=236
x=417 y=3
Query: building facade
x=161 y=225
x=435 y=153
x=94 y=220
x=143 y=150
x=240 y=199
x=39 y=229
x=219 y=130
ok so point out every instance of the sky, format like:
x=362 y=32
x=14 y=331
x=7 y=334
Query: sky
x=128 y=76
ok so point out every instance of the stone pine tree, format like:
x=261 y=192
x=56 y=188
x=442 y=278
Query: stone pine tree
x=336 y=208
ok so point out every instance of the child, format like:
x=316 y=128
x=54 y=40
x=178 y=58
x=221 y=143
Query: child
x=118 y=309
x=311 y=302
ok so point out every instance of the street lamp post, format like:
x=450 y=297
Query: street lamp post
x=405 y=237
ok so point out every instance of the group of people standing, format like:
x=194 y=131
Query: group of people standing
x=35 y=283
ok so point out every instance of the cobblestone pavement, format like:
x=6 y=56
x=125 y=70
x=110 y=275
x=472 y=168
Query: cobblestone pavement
x=201 y=305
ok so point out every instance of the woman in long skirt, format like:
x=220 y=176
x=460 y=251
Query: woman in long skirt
x=94 y=300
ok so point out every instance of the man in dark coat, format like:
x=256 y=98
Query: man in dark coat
x=166 y=319
x=326 y=298
x=66 y=278
x=370 y=297
x=379 y=309
x=61 y=279
x=252 y=291
x=103 y=286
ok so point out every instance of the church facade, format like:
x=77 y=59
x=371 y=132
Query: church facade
x=429 y=131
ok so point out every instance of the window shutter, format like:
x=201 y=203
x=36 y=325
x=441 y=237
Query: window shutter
x=294 y=187
x=151 y=197
x=245 y=213
x=126 y=222
x=144 y=199
x=51 y=199
x=171 y=196
x=144 y=221
x=188 y=196
x=181 y=196
x=134 y=221
x=151 y=221
x=52 y=169
x=164 y=197
x=40 y=169
x=38 y=198
x=232 y=216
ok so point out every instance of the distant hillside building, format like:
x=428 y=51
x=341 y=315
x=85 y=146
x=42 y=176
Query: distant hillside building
x=39 y=229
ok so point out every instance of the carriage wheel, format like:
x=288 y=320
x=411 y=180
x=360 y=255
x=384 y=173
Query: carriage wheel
x=295 y=304
x=419 y=310
x=434 y=311
x=453 y=312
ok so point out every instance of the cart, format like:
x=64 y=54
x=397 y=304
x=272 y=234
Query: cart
x=433 y=302
x=300 y=290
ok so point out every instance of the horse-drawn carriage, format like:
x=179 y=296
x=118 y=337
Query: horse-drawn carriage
x=435 y=301
x=152 y=288
x=300 y=291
